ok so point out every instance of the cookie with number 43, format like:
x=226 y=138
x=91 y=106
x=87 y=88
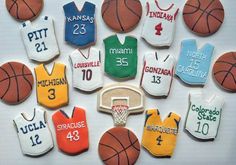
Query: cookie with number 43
x=203 y=117
x=71 y=132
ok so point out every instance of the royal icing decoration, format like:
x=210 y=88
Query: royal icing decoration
x=40 y=40
x=193 y=65
x=159 y=25
x=80 y=24
x=121 y=100
x=34 y=134
x=203 y=117
x=121 y=59
x=157 y=74
x=87 y=69
x=71 y=132
x=52 y=88
x=159 y=137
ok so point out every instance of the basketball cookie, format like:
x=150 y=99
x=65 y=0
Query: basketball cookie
x=121 y=100
x=203 y=118
x=204 y=17
x=121 y=15
x=24 y=9
x=224 y=71
x=119 y=146
x=16 y=82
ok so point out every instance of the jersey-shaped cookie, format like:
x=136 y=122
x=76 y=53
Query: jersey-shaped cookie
x=34 y=134
x=193 y=65
x=87 y=71
x=159 y=137
x=121 y=59
x=40 y=40
x=203 y=117
x=159 y=26
x=157 y=74
x=71 y=133
x=52 y=88
x=80 y=24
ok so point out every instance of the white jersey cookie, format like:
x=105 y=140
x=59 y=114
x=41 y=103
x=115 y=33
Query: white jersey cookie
x=159 y=25
x=40 y=40
x=157 y=74
x=34 y=134
x=87 y=70
x=203 y=118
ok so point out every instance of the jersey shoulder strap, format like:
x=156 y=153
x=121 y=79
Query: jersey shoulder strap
x=189 y=44
x=208 y=49
x=153 y=114
x=89 y=7
x=26 y=24
x=110 y=40
x=70 y=8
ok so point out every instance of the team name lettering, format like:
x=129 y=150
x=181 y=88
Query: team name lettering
x=159 y=71
x=121 y=51
x=80 y=18
x=38 y=34
x=162 y=129
x=160 y=14
x=191 y=71
x=205 y=113
x=77 y=125
x=87 y=64
x=52 y=82
x=32 y=127
x=196 y=55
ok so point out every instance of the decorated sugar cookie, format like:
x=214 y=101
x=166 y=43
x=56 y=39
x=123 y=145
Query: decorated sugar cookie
x=193 y=65
x=87 y=69
x=157 y=74
x=16 y=82
x=40 y=40
x=33 y=133
x=203 y=119
x=121 y=59
x=224 y=71
x=119 y=146
x=71 y=132
x=159 y=136
x=52 y=88
x=121 y=15
x=80 y=27
x=159 y=26
x=121 y=100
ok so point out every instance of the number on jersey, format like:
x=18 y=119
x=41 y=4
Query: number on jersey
x=73 y=135
x=35 y=140
x=79 y=29
x=87 y=74
x=122 y=62
x=203 y=129
x=156 y=80
x=40 y=47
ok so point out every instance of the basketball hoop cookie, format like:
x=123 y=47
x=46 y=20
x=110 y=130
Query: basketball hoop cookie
x=224 y=71
x=119 y=146
x=16 y=82
x=121 y=15
x=121 y=100
x=24 y=9
x=159 y=136
x=204 y=17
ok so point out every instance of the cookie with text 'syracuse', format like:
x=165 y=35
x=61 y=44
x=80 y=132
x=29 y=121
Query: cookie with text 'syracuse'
x=52 y=87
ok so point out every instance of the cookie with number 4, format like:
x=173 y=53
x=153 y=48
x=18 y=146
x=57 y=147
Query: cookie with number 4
x=71 y=132
x=203 y=119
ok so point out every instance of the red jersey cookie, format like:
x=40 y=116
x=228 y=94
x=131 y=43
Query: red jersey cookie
x=71 y=133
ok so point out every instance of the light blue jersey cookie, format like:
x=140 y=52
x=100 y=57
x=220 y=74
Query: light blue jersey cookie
x=193 y=65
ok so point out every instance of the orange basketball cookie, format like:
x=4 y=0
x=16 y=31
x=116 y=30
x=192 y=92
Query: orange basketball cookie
x=71 y=132
x=24 y=9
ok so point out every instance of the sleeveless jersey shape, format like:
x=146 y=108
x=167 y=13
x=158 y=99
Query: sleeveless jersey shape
x=80 y=24
x=159 y=24
x=121 y=59
x=52 y=88
x=194 y=64
x=159 y=137
x=157 y=74
x=34 y=135
x=71 y=133
x=87 y=70
x=40 y=40
x=203 y=118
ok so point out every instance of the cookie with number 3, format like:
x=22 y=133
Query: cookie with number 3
x=52 y=87
x=80 y=28
x=71 y=132
x=203 y=118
